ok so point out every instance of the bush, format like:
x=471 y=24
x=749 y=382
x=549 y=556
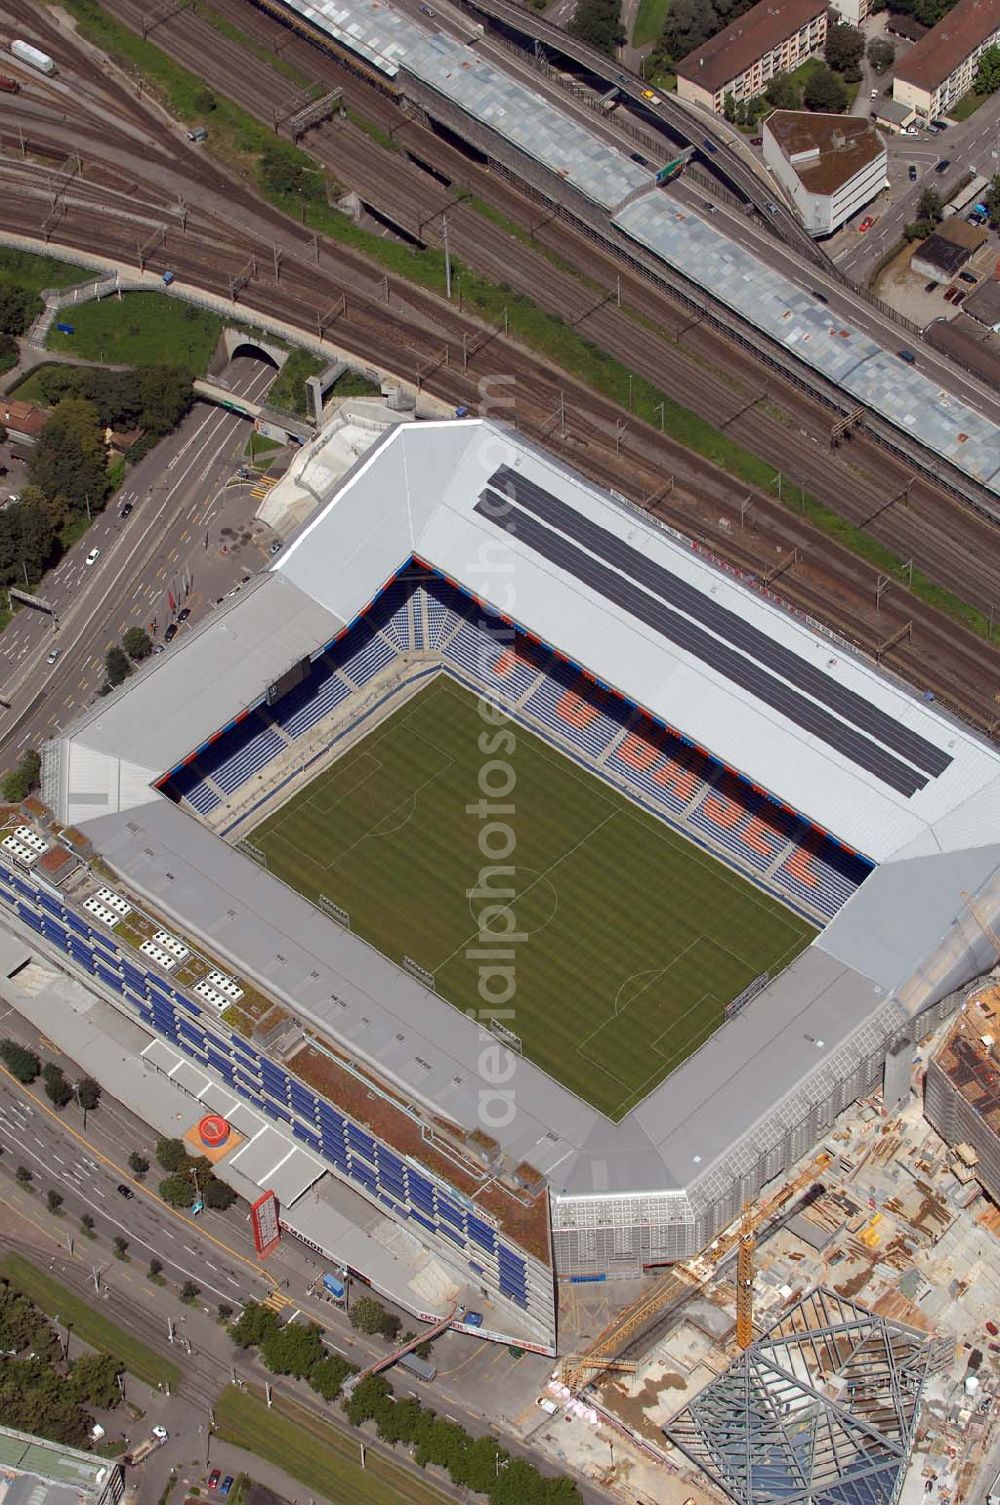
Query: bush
x=54 y=1199
x=120 y=1247
x=328 y=1375
x=218 y=1195
x=824 y=91
x=22 y=1063
x=116 y=666
x=189 y=1291
x=138 y=1164
x=23 y=1176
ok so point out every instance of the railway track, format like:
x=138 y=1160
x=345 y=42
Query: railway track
x=418 y=334
x=767 y=415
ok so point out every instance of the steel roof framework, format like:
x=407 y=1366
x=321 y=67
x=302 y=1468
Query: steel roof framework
x=821 y=1409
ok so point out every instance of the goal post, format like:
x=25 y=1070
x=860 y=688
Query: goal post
x=505 y=1035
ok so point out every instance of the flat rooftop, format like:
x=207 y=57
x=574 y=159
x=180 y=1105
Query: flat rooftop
x=825 y=151
x=34 y=1471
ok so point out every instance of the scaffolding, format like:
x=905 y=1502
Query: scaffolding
x=822 y=1409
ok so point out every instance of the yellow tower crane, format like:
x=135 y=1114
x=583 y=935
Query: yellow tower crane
x=579 y=1369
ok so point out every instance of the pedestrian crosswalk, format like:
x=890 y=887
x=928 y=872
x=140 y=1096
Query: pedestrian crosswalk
x=276 y=1302
x=263 y=486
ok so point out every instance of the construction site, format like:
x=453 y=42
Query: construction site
x=840 y=1342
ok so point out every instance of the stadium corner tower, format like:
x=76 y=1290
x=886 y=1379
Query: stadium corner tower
x=740 y=882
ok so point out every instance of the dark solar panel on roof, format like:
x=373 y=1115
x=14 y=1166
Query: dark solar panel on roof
x=734 y=666
x=725 y=623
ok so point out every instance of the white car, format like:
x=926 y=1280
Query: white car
x=161 y=1433
x=51 y=658
x=93 y=556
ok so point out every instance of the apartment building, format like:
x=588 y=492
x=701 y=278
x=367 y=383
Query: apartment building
x=935 y=74
x=771 y=38
x=741 y=60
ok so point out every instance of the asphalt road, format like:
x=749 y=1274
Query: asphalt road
x=478 y=1384
x=974 y=145
x=174 y=494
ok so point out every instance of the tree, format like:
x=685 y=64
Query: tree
x=88 y=1093
x=155 y=1268
x=120 y=1247
x=54 y=1199
x=783 y=93
x=881 y=54
x=87 y=1224
x=988 y=72
x=370 y=1316
x=294 y=1349
x=845 y=47
x=224 y=1310
x=255 y=1325
x=599 y=24
x=189 y=1291
x=729 y=108
x=176 y=1190
x=825 y=91
x=328 y=1375
x=172 y=1154
x=23 y=1176
x=57 y=1089
x=991 y=198
x=363 y=1401
x=929 y=206
x=93 y=1381
x=137 y=643
x=116 y=666
x=138 y=1164
x=22 y=1063
x=19 y=307
x=24 y=777
x=217 y=1195
x=68 y=461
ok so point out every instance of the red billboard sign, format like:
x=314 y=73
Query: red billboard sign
x=264 y=1221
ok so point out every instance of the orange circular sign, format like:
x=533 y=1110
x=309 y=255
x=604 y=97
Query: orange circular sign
x=213 y=1131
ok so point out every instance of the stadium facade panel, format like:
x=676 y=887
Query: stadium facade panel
x=391 y=580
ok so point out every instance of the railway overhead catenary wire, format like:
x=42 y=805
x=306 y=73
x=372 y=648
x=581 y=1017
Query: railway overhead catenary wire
x=961 y=564
x=828 y=583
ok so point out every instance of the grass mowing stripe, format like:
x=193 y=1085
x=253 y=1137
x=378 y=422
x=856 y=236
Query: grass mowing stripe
x=634 y=938
x=243 y=141
x=89 y=1325
x=324 y=1457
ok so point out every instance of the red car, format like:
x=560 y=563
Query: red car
x=865 y=224
x=214 y=1477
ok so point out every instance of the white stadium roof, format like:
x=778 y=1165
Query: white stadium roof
x=772 y=695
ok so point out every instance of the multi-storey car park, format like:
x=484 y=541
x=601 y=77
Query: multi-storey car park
x=782 y=770
x=606 y=192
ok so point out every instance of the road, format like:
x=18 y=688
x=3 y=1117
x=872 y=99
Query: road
x=174 y=494
x=972 y=146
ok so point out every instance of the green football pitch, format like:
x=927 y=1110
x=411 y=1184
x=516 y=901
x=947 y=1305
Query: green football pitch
x=634 y=939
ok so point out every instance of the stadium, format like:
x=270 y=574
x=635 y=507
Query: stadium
x=556 y=887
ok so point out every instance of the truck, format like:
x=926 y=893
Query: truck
x=9 y=85
x=418 y=1367
x=156 y=1439
x=25 y=53
x=334 y=1286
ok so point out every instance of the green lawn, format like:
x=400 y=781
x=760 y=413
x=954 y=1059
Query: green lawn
x=88 y=1321
x=968 y=105
x=38 y=272
x=141 y=329
x=326 y=1459
x=649 y=21
x=635 y=939
x=288 y=392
